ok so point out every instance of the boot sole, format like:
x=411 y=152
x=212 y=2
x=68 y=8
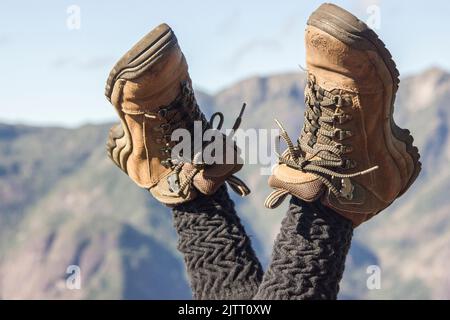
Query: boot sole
x=141 y=56
x=116 y=143
x=347 y=28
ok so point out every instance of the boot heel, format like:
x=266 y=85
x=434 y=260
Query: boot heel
x=405 y=136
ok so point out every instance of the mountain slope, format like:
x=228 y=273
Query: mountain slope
x=74 y=212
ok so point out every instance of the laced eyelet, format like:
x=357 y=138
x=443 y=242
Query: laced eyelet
x=165 y=151
x=344 y=148
x=163 y=140
x=165 y=127
x=167 y=138
x=312 y=141
x=167 y=163
x=347 y=101
x=337 y=133
x=337 y=101
x=162 y=113
x=342 y=134
x=341 y=118
x=348 y=149
x=347 y=189
x=349 y=164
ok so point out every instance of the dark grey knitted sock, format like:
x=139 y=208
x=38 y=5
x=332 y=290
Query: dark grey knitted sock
x=219 y=258
x=309 y=254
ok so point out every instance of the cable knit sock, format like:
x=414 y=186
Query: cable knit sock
x=219 y=258
x=309 y=254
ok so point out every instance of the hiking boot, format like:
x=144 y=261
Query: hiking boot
x=351 y=155
x=151 y=91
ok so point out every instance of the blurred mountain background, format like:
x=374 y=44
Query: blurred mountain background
x=62 y=202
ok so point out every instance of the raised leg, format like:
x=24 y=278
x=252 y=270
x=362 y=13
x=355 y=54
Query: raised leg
x=309 y=254
x=220 y=261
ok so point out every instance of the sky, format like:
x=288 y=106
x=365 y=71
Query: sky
x=54 y=66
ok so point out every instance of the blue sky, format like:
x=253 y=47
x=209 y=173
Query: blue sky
x=54 y=75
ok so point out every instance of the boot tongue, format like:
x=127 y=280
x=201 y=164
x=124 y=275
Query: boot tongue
x=308 y=191
x=303 y=185
x=312 y=188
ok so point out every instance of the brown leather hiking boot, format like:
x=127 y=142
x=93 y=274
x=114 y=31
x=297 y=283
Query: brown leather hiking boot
x=151 y=91
x=350 y=153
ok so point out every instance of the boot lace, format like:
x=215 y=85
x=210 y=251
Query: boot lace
x=182 y=112
x=316 y=151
